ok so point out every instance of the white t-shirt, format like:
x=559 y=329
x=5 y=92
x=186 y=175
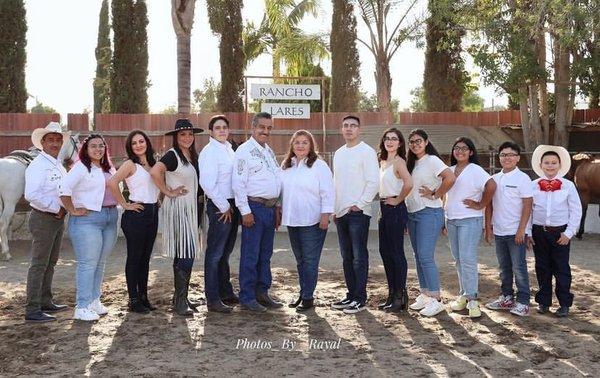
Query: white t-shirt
x=468 y=185
x=425 y=173
x=507 y=202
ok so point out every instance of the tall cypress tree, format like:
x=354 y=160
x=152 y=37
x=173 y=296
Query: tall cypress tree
x=225 y=17
x=129 y=73
x=13 y=30
x=345 y=65
x=445 y=78
x=103 y=56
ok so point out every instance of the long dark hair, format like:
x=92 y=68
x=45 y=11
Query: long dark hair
x=193 y=152
x=312 y=154
x=84 y=156
x=383 y=154
x=149 y=150
x=411 y=158
x=473 y=158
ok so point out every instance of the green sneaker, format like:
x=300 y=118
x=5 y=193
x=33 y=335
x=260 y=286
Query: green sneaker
x=474 y=310
x=459 y=304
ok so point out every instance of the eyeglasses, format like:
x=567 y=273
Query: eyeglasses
x=391 y=139
x=350 y=126
x=97 y=146
x=416 y=142
x=510 y=155
x=461 y=149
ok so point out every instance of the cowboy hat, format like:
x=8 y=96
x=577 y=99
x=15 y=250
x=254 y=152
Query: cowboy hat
x=184 y=124
x=536 y=159
x=53 y=127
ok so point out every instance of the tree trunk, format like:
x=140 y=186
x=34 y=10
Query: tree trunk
x=562 y=93
x=536 y=134
x=183 y=74
x=384 y=83
x=543 y=88
x=524 y=110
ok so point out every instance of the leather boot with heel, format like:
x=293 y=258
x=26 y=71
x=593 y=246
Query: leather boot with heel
x=180 y=297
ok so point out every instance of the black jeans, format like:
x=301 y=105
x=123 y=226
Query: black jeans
x=140 y=232
x=392 y=225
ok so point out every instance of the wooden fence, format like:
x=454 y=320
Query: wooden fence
x=15 y=129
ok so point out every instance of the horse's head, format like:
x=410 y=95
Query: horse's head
x=576 y=161
x=69 y=150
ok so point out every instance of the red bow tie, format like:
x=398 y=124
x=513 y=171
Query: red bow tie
x=549 y=185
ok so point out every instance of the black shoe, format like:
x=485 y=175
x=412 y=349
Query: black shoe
x=254 y=307
x=180 y=297
x=136 y=305
x=295 y=303
x=39 y=317
x=306 y=305
x=562 y=312
x=388 y=301
x=340 y=305
x=53 y=307
x=543 y=309
x=265 y=300
x=218 y=306
x=355 y=307
x=400 y=302
x=146 y=302
x=232 y=300
x=194 y=305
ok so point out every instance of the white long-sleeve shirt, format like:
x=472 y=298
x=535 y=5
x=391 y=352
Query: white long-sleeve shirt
x=255 y=173
x=42 y=177
x=215 y=165
x=86 y=188
x=356 y=178
x=557 y=208
x=307 y=193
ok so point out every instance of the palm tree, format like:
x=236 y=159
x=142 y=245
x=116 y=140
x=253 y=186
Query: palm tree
x=182 y=15
x=280 y=35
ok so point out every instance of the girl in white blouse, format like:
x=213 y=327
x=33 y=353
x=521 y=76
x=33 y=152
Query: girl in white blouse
x=140 y=218
x=307 y=203
x=92 y=224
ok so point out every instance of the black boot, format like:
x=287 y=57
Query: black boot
x=180 y=302
x=136 y=305
x=400 y=302
x=218 y=306
x=295 y=303
x=146 y=302
x=306 y=305
x=388 y=301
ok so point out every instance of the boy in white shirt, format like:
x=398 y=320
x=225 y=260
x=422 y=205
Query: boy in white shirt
x=556 y=216
x=507 y=220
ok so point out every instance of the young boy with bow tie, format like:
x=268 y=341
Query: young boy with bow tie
x=555 y=218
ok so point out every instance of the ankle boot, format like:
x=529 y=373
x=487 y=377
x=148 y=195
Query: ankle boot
x=180 y=303
x=146 y=302
x=400 y=302
x=388 y=301
x=136 y=305
x=296 y=303
x=306 y=305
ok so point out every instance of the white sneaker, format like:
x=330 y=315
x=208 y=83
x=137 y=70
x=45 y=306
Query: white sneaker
x=85 y=314
x=98 y=307
x=420 y=302
x=432 y=308
x=520 y=309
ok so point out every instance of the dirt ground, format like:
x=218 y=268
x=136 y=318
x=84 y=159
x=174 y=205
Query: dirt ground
x=278 y=343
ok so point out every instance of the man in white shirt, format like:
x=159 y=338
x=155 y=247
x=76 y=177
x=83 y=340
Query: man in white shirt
x=507 y=220
x=46 y=221
x=356 y=182
x=256 y=184
x=216 y=166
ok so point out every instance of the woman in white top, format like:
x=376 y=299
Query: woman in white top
x=92 y=224
x=307 y=203
x=176 y=175
x=395 y=184
x=465 y=203
x=431 y=180
x=140 y=218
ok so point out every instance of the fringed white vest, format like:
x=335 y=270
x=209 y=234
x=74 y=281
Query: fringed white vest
x=180 y=214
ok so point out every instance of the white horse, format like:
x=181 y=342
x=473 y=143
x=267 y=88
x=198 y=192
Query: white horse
x=12 y=183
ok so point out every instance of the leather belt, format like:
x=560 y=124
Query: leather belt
x=109 y=207
x=44 y=212
x=268 y=202
x=552 y=228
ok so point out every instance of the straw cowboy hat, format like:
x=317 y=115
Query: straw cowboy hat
x=53 y=127
x=536 y=159
x=184 y=124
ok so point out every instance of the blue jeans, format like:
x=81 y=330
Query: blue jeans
x=219 y=245
x=391 y=245
x=93 y=237
x=307 y=244
x=353 y=235
x=511 y=261
x=424 y=227
x=256 y=252
x=465 y=235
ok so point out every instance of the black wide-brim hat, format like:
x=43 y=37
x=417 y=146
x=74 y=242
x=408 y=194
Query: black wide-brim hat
x=184 y=124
